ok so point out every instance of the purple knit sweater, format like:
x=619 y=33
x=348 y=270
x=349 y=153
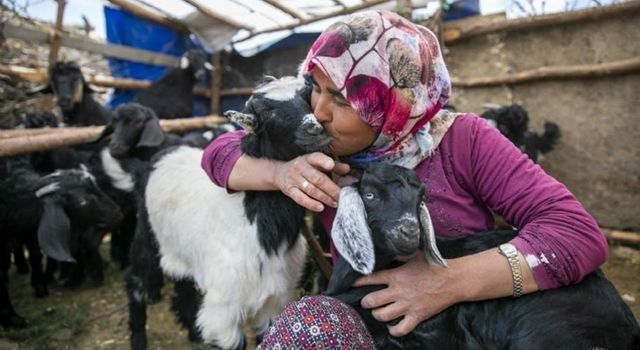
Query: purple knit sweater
x=476 y=171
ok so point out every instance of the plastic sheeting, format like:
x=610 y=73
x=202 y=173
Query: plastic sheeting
x=123 y=28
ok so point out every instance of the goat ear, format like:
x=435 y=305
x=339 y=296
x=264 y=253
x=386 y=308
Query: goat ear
x=351 y=234
x=247 y=121
x=429 y=246
x=184 y=62
x=54 y=231
x=152 y=134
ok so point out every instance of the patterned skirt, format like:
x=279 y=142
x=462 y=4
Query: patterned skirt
x=317 y=322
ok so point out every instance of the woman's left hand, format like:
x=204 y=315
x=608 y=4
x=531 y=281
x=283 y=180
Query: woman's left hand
x=415 y=291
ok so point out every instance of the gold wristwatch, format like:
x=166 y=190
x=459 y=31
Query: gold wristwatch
x=511 y=253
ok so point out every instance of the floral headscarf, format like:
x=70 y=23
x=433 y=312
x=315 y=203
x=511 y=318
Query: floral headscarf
x=392 y=73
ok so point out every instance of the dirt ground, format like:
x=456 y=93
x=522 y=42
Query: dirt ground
x=96 y=317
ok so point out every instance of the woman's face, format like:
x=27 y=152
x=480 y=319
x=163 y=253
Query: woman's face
x=348 y=132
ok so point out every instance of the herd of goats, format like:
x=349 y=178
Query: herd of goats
x=239 y=256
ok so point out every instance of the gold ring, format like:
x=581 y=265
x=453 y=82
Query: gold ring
x=305 y=183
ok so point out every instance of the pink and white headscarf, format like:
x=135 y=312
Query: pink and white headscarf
x=392 y=73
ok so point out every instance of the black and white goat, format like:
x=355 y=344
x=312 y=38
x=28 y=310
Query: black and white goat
x=74 y=96
x=384 y=216
x=171 y=96
x=513 y=123
x=235 y=256
x=57 y=213
x=136 y=136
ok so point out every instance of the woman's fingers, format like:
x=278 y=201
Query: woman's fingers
x=313 y=191
x=408 y=323
x=378 y=298
x=305 y=180
x=304 y=200
x=389 y=312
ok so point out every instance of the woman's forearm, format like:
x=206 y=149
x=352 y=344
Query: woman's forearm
x=257 y=174
x=487 y=275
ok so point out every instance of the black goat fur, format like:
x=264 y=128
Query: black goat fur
x=587 y=315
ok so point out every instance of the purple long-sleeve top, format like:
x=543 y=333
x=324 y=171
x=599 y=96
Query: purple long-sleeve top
x=474 y=171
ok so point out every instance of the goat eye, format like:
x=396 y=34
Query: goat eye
x=369 y=196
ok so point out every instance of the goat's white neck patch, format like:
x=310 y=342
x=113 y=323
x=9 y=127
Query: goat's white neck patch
x=282 y=89
x=120 y=179
x=351 y=234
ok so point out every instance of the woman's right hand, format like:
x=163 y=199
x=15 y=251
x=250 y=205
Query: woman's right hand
x=307 y=180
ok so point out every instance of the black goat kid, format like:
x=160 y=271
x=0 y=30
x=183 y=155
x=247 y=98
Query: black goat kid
x=513 y=123
x=171 y=96
x=385 y=216
x=73 y=212
x=74 y=96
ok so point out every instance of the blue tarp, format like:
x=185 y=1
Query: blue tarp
x=123 y=28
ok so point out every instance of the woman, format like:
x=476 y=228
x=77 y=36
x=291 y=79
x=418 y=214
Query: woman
x=379 y=83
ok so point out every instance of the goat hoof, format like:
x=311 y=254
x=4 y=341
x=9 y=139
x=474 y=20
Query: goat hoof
x=138 y=341
x=13 y=321
x=41 y=291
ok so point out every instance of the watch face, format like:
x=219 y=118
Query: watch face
x=508 y=248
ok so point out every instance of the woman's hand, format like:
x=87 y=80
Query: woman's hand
x=307 y=180
x=415 y=291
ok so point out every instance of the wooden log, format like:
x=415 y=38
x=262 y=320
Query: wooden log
x=237 y=91
x=622 y=236
x=631 y=65
x=213 y=15
x=61 y=137
x=216 y=82
x=55 y=37
x=37 y=75
x=344 y=11
x=316 y=250
x=24 y=33
x=13 y=133
x=151 y=16
x=286 y=9
x=454 y=34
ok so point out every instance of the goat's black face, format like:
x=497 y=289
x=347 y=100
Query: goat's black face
x=67 y=84
x=129 y=124
x=512 y=121
x=392 y=196
x=279 y=115
x=83 y=201
x=73 y=204
x=197 y=60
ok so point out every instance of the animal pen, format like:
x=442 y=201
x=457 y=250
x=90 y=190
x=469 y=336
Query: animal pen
x=491 y=60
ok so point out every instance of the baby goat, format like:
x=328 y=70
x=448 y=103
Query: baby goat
x=171 y=96
x=513 y=123
x=74 y=96
x=234 y=256
x=385 y=216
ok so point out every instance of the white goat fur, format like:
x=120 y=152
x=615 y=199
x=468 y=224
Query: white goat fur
x=203 y=234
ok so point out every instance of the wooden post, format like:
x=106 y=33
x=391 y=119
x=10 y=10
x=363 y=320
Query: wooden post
x=216 y=82
x=56 y=37
x=60 y=137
